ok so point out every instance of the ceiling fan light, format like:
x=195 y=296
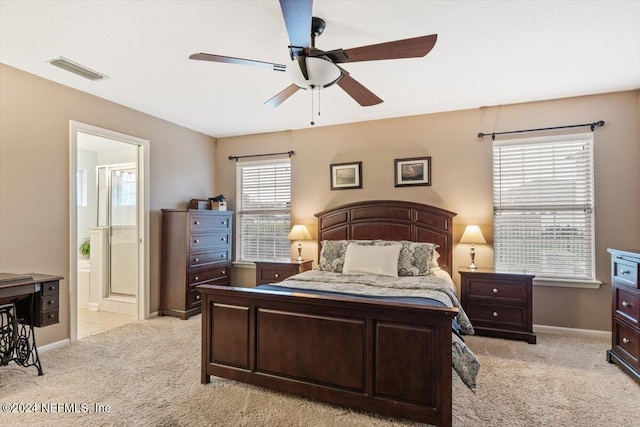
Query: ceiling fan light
x=321 y=72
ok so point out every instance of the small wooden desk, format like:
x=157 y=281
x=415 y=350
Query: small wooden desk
x=26 y=300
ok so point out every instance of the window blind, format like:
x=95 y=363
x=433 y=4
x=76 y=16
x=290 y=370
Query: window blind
x=263 y=210
x=543 y=206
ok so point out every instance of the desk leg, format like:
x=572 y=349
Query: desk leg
x=21 y=346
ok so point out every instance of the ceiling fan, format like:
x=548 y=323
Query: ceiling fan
x=312 y=68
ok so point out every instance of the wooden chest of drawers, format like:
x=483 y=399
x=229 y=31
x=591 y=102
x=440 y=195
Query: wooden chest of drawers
x=498 y=304
x=277 y=271
x=196 y=249
x=625 y=311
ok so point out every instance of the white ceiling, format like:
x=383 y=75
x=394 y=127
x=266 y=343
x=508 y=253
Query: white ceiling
x=488 y=53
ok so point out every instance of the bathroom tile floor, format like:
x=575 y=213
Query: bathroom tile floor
x=96 y=322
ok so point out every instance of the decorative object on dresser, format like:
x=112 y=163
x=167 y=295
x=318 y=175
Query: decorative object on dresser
x=277 y=271
x=298 y=233
x=498 y=304
x=625 y=311
x=472 y=234
x=196 y=249
x=345 y=176
x=412 y=171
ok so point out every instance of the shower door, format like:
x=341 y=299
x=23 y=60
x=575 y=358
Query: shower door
x=118 y=212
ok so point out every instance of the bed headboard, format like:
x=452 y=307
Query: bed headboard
x=390 y=220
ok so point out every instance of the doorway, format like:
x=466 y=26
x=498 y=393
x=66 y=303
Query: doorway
x=109 y=229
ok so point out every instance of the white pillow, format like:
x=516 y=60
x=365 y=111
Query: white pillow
x=434 y=261
x=380 y=260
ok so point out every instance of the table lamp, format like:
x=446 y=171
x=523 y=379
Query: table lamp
x=472 y=234
x=298 y=233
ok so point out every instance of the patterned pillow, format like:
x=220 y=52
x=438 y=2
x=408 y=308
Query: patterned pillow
x=333 y=252
x=415 y=257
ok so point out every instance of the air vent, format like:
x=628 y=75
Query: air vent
x=76 y=68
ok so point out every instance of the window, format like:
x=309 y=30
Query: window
x=263 y=210
x=543 y=207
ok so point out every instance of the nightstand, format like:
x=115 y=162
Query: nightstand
x=498 y=304
x=277 y=271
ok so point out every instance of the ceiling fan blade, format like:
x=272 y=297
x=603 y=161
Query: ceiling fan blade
x=359 y=93
x=282 y=96
x=297 y=18
x=407 y=48
x=232 y=60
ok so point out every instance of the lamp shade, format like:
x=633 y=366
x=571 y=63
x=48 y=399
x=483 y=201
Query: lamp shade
x=472 y=234
x=299 y=232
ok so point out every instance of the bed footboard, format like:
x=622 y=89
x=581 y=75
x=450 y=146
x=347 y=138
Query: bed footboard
x=389 y=358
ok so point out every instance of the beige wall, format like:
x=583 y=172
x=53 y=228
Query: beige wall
x=462 y=179
x=34 y=175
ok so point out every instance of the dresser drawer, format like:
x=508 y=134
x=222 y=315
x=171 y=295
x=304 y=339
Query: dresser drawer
x=275 y=274
x=627 y=343
x=211 y=257
x=513 y=318
x=627 y=303
x=49 y=302
x=193 y=298
x=208 y=222
x=46 y=318
x=206 y=274
x=625 y=272
x=496 y=290
x=199 y=242
x=50 y=288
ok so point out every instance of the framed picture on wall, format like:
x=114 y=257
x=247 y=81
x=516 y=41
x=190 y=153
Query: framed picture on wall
x=413 y=171
x=345 y=176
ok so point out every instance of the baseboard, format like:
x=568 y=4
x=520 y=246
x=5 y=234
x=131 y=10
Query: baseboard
x=58 y=344
x=153 y=315
x=571 y=331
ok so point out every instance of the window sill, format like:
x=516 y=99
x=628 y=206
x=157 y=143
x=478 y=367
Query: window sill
x=568 y=283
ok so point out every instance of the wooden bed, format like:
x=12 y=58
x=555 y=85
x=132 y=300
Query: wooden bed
x=389 y=358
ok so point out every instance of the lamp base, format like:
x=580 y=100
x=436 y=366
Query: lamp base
x=472 y=266
x=299 y=252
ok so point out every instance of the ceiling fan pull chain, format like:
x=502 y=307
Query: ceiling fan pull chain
x=318 y=102
x=312 y=122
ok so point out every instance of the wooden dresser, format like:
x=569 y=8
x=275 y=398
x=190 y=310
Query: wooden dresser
x=625 y=311
x=196 y=249
x=277 y=271
x=498 y=304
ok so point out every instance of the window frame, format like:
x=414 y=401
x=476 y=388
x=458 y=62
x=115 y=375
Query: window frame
x=281 y=214
x=549 y=208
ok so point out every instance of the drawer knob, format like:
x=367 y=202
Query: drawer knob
x=50 y=302
x=196 y=259
x=495 y=290
x=223 y=256
x=626 y=340
x=197 y=223
x=196 y=241
x=52 y=288
x=495 y=314
x=224 y=272
x=222 y=239
x=224 y=222
x=624 y=272
x=277 y=275
x=198 y=296
x=625 y=304
x=51 y=316
x=196 y=278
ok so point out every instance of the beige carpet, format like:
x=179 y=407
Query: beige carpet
x=148 y=373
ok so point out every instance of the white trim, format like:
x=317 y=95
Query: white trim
x=571 y=331
x=567 y=283
x=144 y=208
x=52 y=346
x=153 y=315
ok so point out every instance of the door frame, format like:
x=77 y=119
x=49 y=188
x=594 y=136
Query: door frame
x=143 y=297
